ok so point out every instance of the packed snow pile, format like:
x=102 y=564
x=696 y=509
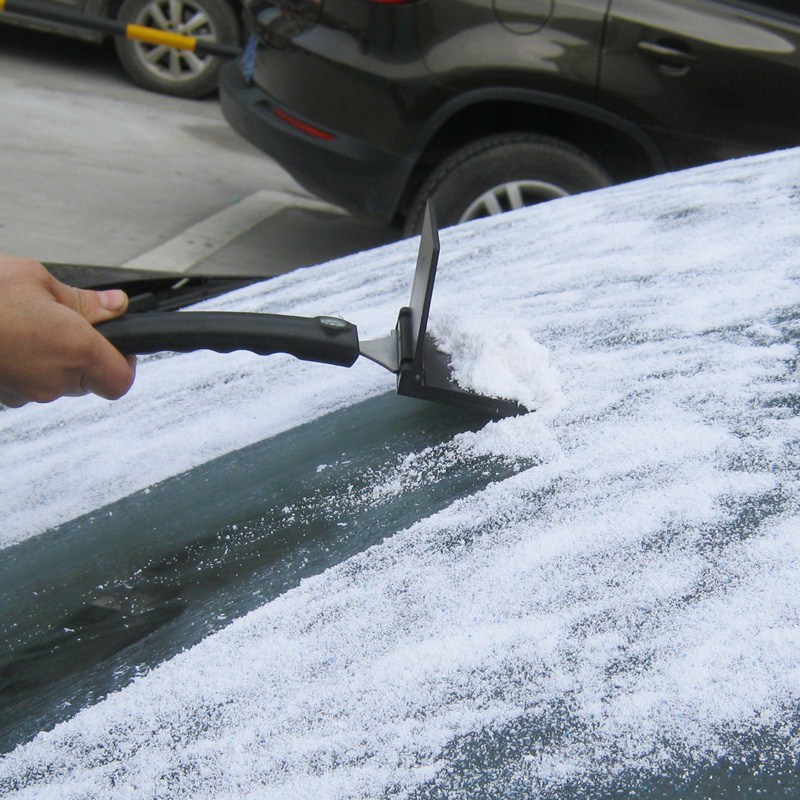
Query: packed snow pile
x=618 y=616
x=481 y=362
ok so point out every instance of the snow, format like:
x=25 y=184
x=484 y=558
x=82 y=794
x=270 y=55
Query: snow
x=480 y=361
x=626 y=604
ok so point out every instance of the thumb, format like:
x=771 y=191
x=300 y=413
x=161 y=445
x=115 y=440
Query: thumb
x=112 y=303
x=93 y=306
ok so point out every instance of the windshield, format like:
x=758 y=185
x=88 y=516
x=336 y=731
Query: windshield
x=366 y=596
x=87 y=606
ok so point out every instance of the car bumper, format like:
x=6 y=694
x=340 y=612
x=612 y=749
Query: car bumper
x=341 y=169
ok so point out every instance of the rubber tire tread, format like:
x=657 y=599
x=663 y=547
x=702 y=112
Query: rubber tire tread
x=227 y=24
x=469 y=172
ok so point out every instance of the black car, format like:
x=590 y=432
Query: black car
x=487 y=105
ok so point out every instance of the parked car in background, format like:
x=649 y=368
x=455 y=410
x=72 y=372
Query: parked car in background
x=259 y=577
x=162 y=69
x=485 y=105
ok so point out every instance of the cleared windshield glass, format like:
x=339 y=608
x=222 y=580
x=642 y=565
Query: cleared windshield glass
x=86 y=607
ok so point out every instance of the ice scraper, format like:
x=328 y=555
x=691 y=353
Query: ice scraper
x=422 y=369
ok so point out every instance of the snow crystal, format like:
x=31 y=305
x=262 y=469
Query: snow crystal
x=624 y=605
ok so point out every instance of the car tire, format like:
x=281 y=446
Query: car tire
x=501 y=173
x=182 y=73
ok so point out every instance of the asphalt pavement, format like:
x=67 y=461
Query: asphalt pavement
x=94 y=170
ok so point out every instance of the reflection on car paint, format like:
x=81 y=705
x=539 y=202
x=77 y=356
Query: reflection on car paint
x=247 y=61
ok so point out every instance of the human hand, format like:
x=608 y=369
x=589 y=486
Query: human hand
x=48 y=347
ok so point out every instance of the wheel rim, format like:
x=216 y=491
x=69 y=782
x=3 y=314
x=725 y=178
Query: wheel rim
x=510 y=196
x=176 y=16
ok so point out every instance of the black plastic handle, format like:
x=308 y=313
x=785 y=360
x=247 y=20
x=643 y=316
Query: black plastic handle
x=329 y=340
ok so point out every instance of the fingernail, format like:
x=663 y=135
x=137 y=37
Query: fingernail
x=112 y=299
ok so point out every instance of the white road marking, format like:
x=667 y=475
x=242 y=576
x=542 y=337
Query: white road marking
x=199 y=241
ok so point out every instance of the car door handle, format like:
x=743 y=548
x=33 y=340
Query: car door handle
x=672 y=57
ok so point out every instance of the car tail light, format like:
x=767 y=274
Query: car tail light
x=310 y=130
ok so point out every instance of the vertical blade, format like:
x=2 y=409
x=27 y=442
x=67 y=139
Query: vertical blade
x=424 y=370
x=424 y=276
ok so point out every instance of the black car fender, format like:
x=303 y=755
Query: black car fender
x=452 y=126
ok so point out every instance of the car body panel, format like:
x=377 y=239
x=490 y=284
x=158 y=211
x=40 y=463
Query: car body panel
x=99 y=7
x=615 y=615
x=723 y=81
x=365 y=177
x=560 y=56
x=341 y=56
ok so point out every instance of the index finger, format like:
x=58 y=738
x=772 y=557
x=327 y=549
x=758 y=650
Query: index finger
x=107 y=373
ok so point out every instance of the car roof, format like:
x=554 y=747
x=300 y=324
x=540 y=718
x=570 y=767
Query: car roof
x=615 y=607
